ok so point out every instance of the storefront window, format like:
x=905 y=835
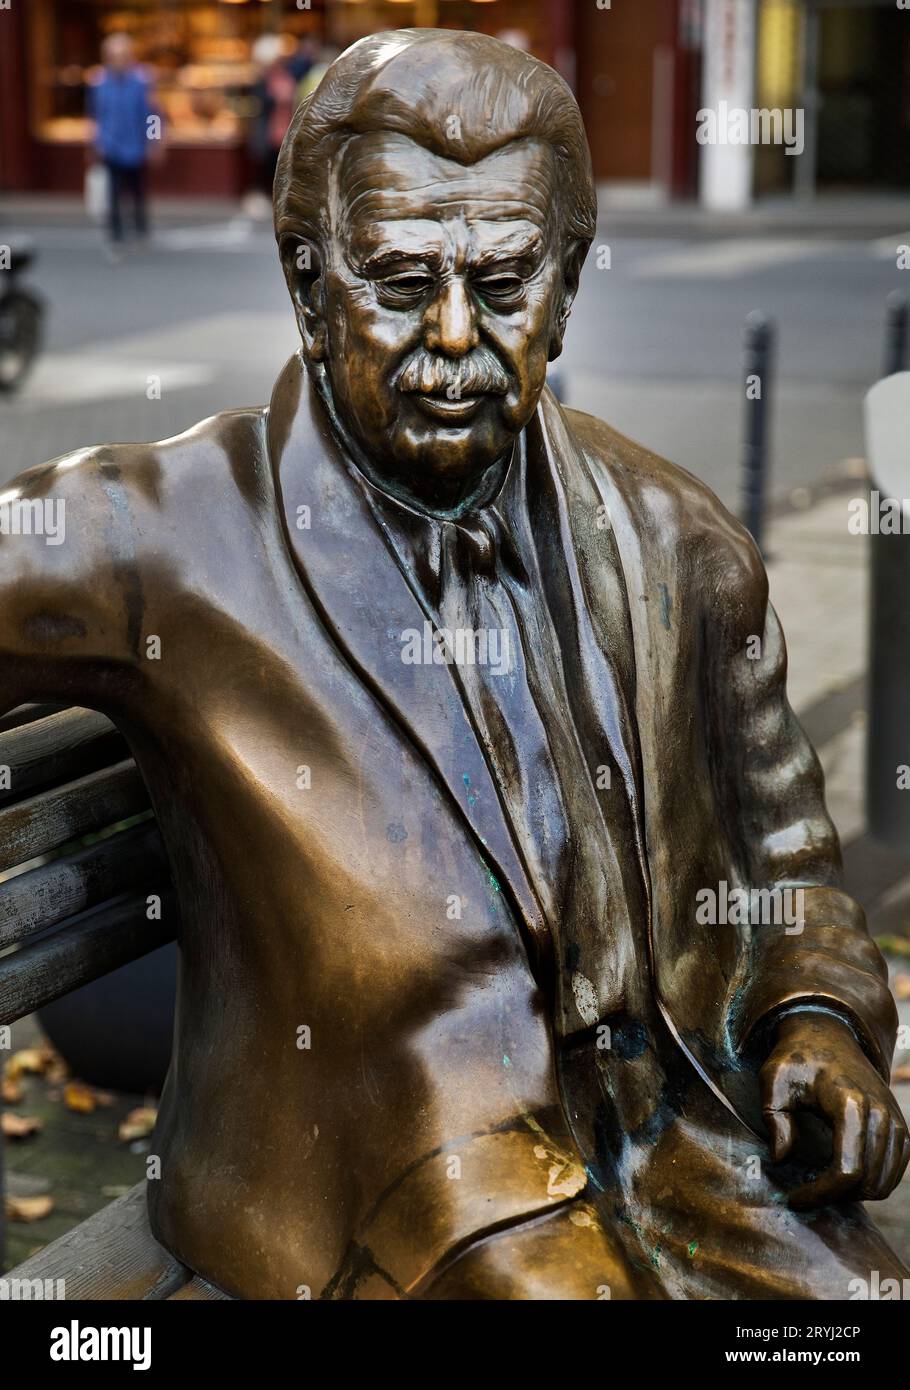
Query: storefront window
x=199 y=54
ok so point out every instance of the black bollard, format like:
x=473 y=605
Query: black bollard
x=897 y=320
x=888 y=724
x=758 y=355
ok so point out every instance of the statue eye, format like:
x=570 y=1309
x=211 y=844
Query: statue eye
x=504 y=288
x=406 y=288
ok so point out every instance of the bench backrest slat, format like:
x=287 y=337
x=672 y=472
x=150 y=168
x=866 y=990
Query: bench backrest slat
x=56 y=748
x=42 y=897
x=48 y=821
x=81 y=950
x=80 y=910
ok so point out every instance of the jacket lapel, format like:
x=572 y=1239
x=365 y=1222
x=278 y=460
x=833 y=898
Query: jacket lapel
x=583 y=575
x=353 y=578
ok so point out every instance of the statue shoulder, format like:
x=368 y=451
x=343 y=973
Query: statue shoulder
x=124 y=482
x=673 y=512
x=101 y=513
x=95 y=543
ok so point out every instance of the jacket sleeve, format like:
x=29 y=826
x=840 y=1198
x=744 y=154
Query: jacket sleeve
x=70 y=596
x=770 y=789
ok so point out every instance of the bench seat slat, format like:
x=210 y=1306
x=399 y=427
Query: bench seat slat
x=49 y=820
x=43 y=897
x=57 y=748
x=199 y=1290
x=111 y=1255
x=80 y=950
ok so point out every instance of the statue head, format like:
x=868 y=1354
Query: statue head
x=433 y=206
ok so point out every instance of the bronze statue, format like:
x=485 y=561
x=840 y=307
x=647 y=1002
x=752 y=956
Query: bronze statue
x=466 y=729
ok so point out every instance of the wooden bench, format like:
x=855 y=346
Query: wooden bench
x=77 y=828
x=114 y=1255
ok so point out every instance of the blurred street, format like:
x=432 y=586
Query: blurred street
x=654 y=344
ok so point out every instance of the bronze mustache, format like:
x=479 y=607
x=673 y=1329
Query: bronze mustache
x=477 y=374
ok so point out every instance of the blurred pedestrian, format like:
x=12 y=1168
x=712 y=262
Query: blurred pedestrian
x=303 y=58
x=276 y=94
x=120 y=108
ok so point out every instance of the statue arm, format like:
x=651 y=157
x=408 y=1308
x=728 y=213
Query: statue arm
x=812 y=1010
x=825 y=958
x=68 y=582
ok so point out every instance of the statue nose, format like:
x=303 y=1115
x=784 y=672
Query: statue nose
x=450 y=327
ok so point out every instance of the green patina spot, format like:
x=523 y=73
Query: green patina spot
x=693 y=1246
x=505 y=1060
x=494 y=881
x=655 y=1258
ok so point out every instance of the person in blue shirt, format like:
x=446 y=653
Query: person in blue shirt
x=120 y=106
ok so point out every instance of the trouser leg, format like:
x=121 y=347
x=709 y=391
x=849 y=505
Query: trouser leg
x=711 y=1212
x=138 y=191
x=563 y=1254
x=114 y=201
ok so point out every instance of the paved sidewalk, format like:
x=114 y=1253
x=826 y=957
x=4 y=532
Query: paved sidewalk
x=818 y=574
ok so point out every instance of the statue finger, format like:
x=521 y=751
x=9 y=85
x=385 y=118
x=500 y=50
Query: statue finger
x=882 y=1149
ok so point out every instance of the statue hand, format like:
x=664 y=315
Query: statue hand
x=817 y=1066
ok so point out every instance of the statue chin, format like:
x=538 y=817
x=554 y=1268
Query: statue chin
x=444 y=455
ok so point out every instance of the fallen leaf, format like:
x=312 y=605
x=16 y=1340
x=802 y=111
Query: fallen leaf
x=57 y=1072
x=900 y=1074
x=28 y=1208
x=137 y=1124
x=29 y=1059
x=11 y=1091
x=902 y=986
x=79 y=1097
x=20 y=1126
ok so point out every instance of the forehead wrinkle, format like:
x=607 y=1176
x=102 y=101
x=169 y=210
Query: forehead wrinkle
x=479 y=242
x=388 y=190
x=417 y=204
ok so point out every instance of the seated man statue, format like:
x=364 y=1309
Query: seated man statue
x=513 y=957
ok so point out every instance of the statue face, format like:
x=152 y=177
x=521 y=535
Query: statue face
x=442 y=298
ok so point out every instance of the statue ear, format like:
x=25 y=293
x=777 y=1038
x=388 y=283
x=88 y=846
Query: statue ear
x=303 y=271
x=572 y=264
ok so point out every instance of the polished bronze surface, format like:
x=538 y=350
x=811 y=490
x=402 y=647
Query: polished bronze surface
x=464 y=720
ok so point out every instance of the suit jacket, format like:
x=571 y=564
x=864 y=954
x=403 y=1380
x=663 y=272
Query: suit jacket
x=364 y=1077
